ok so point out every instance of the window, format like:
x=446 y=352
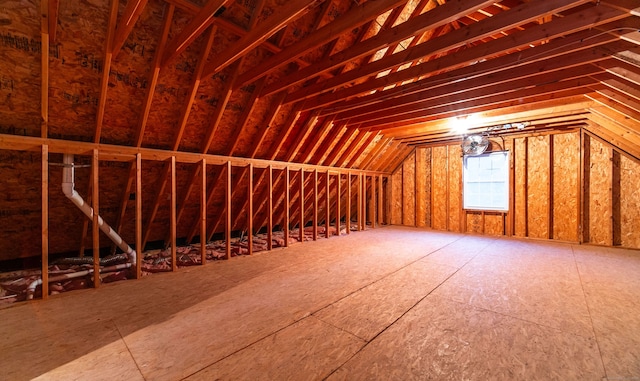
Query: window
x=486 y=181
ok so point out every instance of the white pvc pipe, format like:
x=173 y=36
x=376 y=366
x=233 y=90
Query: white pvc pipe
x=68 y=175
x=31 y=289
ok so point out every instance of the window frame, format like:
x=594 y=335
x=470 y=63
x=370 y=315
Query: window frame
x=503 y=182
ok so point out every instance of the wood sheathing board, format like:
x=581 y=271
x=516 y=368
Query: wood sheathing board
x=600 y=205
x=455 y=187
x=439 y=188
x=566 y=163
x=493 y=224
x=423 y=187
x=396 y=197
x=409 y=190
x=129 y=82
x=75 y=70
x=20 y=68
x=520 y=191
x=538 y=187
x=21 y=205
x=474 y=222
x=629 y=202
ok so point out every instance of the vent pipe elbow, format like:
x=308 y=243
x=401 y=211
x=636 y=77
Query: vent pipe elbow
x=68 y=188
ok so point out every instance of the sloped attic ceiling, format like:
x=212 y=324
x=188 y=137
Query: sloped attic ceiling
x=344 y=83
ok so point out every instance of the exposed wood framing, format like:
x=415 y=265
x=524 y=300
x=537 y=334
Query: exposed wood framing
x=106 y=69
x=139 y=248
x=228 y=200
x=95 y=227
x=128 y=20
x=287 y=204
x=44 y=192
x=202 y=20
x=203 y=211
x=173 y=223
x=270 y=212
x=250 y=209
x=301 y=201
x=153 y=77
x=327 y=208
x=292 y=10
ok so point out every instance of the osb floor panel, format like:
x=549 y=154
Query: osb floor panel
x=387 y=304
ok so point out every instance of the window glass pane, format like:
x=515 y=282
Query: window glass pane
x=486 y=181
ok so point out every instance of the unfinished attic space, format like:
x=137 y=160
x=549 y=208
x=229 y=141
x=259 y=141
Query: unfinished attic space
x=326 y=189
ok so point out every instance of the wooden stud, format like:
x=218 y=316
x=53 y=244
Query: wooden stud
x=227 y=228
x=250 y=209
x=270 y=216
x=95 y=165
x=432 y=200
x=287 y=184
x=139 y=248
x=525 y=195
x=550 y=190
x=511 y=215
x=582 y=190
x=315 y=205
x=203 y=212
x=45 y=221
x=348 y=204
x=447 y=185
x=616 y=212
x=338 y=196
x=174 y=245
x=327 y=206
x=359 y=202
x=380 y=202
x=372 y=203
x=364 y=202
x=301 y=201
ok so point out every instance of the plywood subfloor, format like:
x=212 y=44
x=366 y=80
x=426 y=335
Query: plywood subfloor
x=394 y=303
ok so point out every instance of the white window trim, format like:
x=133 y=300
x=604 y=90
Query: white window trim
x=476 y=203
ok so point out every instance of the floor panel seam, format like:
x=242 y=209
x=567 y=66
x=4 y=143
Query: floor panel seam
x=586 y=302
x=124 y=341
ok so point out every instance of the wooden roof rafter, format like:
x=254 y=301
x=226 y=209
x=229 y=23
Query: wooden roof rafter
x=356 y=16
x=128 y=20
x=259 y=34
x=428 y=20
x=459 y=68
x=193 y=30
x=513 y=17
